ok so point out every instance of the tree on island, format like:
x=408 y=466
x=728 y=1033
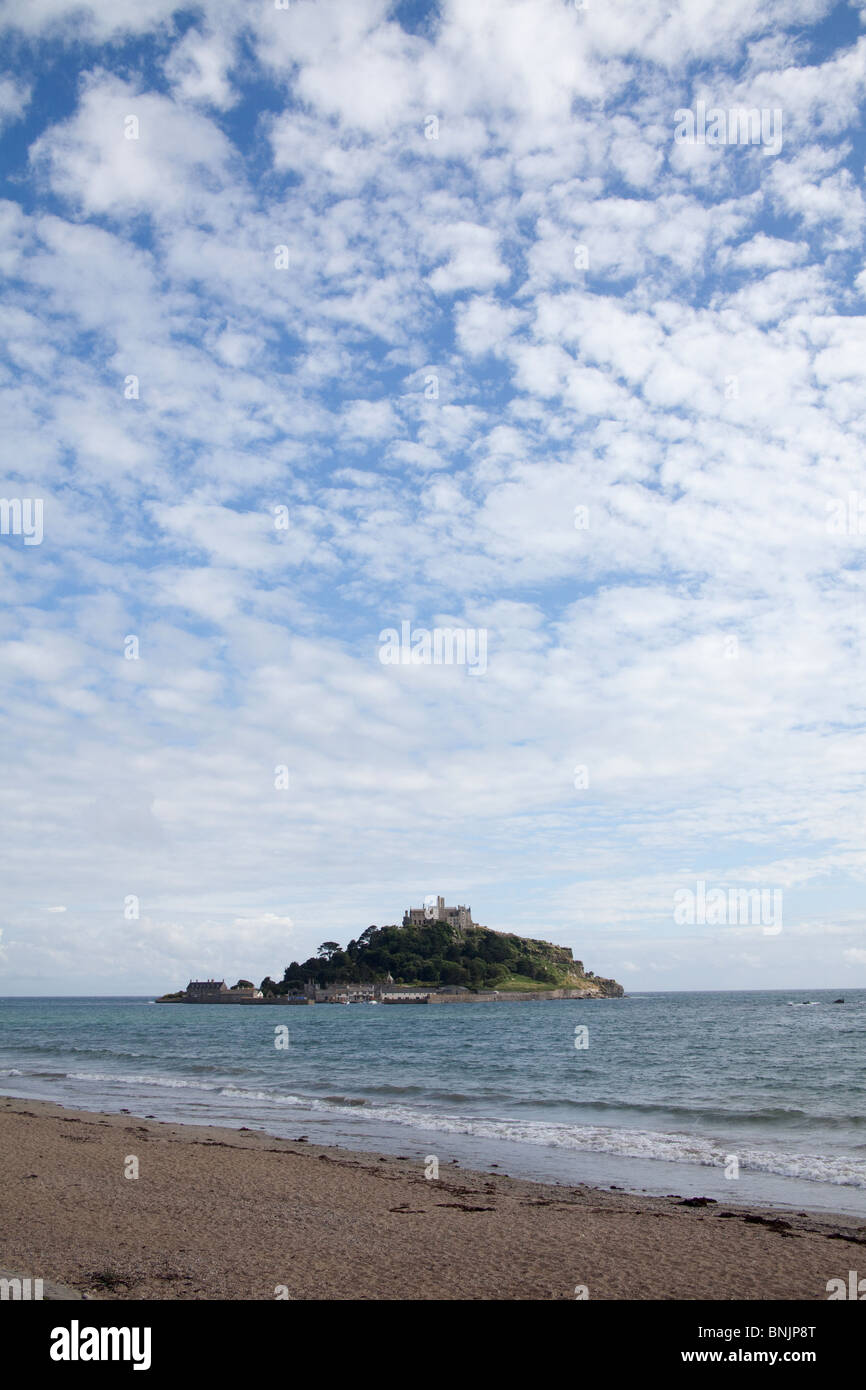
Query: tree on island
x=269 y=986
x=433 y=954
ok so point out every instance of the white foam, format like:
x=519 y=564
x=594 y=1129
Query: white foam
x=174 y=1082
x=598 y=1139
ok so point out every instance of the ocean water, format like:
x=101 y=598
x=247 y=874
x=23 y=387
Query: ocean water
x=668 y=1090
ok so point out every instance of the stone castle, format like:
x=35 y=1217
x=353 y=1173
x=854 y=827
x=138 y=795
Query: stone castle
x=434 y=910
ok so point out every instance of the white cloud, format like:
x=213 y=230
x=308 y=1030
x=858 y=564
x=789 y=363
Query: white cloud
x=14 y=99
x=126 y=151
x=695 y=387
x=473 y=260
x=198 y=67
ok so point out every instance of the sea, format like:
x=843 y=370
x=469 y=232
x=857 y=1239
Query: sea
x=754 y=1097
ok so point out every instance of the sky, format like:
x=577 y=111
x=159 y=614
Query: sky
x=326 y=319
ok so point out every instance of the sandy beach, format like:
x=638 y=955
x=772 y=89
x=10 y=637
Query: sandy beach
x=220 y=1213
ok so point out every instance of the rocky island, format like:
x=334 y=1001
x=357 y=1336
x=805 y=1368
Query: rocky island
x=437 y=955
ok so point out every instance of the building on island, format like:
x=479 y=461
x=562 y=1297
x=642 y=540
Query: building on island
x=218 y=992
x=200 y=989
x=434 y=910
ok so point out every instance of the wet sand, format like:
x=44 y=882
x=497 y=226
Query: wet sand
x=221 y=1213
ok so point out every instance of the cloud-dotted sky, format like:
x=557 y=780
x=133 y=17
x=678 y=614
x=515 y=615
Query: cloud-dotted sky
x=440 y=282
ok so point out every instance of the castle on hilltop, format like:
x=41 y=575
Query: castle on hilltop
x=434 y=910
x=464 y=962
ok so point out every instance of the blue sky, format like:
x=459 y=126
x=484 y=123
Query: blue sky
x=431 y=387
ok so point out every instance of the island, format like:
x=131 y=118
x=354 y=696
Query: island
x=437 y=955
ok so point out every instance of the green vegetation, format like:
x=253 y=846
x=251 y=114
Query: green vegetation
x=436 y=954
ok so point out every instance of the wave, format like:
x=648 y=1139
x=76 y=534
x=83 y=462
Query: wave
x=175 y=1082
x=771 y=1116
x=586 y=1138
x=768 y=1116
x=633 y=1143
